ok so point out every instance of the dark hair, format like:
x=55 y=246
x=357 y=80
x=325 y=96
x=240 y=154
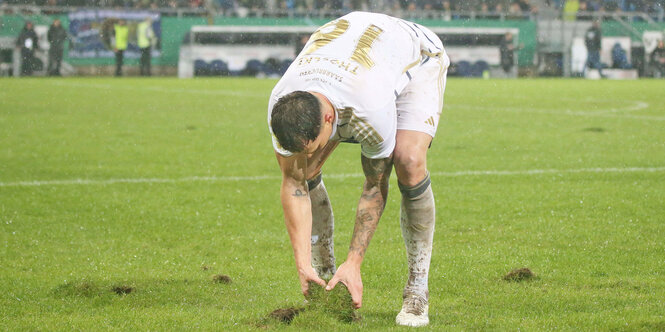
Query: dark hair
x=296 y=120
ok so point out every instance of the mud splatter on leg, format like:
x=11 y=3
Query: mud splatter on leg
x=417 y=222
x=323 y=254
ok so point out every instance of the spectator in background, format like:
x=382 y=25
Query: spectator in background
x=619 y=57
x=121 y=33
x=145 y=38
x=447 y=11
x=592 y=41
x=582 y=12
x=657 y=59
x=27 y=42
x=570 y=9
x=507 y=51
x=56 y=38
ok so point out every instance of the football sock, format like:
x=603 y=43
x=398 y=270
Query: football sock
x=417 y=222
x=323 y=253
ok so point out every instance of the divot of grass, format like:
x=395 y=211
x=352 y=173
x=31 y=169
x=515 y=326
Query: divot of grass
x=518 y=275
x=336 y=303
x=122 y=289
x=221 y=279
x=286 y=315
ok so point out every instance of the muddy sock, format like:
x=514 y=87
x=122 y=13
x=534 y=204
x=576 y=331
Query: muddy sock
x=323 y=254
x=417 y=221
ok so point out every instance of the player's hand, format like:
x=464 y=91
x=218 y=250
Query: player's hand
x=306 y=275
x=349 y=275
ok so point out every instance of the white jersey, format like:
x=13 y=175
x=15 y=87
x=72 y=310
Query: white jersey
x=361 y=62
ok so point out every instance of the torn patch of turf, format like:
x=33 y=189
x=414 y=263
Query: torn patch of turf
x=221 y=279
x=521 y=274
x=122 y=289
x=336 y=303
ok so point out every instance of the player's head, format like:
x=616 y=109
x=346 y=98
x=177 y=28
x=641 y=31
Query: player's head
x=296 y=120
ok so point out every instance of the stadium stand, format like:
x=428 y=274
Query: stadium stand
x=546 y=28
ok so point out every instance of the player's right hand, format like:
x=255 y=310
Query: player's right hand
x=306 y=275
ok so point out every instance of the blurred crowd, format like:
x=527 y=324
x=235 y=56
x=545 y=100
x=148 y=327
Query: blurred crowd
x=442 y=8
x=584 y=9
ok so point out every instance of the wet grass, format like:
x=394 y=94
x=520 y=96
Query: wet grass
x=125 y=204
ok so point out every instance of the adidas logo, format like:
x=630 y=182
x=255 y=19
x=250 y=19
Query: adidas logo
x=430 y=121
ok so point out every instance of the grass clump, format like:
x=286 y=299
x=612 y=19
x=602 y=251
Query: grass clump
x=521 y=274
x=336 y=303
x=221 y=279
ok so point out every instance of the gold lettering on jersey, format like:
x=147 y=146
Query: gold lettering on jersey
x=321 y=38
x=361 y=53
x=345 y=65
x=322 y=72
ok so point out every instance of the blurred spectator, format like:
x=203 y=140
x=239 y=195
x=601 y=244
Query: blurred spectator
x=145 y=38
x=56 y=37
x=592 y=41
x=27 y=42
x=121 y=33
x=619 y=57
x=570 y=9
x=514 y=11
x=611 y=5
x=507 y=51
x=583 y=12
x=657 y=59
x=447 y=11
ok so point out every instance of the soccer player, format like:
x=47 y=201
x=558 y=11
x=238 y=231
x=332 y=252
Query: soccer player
x=375 y=80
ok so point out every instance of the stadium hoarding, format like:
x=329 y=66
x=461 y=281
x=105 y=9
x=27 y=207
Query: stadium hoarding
x=92 y=32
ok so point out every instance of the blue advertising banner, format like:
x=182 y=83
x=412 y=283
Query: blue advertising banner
x=92 y=32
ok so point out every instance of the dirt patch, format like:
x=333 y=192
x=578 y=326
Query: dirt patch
x=122 y=289
x=205 y=267
x=221 y=279
x=521 y=274
x=285 y=315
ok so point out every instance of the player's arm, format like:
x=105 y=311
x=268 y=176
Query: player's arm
x=370 y=207
x=297 y=208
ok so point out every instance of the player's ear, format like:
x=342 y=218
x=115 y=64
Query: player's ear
x=328 y=117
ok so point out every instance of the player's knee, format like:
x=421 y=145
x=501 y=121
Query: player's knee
x=410 y=167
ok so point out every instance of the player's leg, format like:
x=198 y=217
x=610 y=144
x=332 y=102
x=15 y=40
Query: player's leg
x=418 y=109
x=323 y=224
x=323 y=253
x=417 y=222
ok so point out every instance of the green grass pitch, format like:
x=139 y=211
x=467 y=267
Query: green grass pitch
x=122 y=199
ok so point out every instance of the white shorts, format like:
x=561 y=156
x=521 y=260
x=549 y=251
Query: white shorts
x=420 y=104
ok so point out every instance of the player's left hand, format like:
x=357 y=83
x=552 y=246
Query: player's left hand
x=349 y=275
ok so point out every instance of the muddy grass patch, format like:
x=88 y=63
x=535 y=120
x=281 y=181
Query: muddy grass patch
x=285 y=315
x=336 y=304
x=518 y=275
x=221 y=279
x=122 y=289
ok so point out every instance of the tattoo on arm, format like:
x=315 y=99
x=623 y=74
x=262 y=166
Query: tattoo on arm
x=372 y=202
x=299 y=193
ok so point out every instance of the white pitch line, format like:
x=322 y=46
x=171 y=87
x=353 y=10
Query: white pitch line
x=221 y=92
x=610 y=112
x=332 y=176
